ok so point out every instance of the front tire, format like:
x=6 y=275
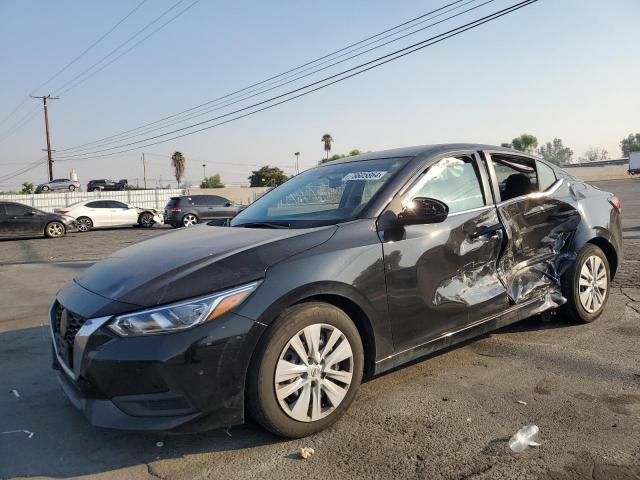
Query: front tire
x=84 y=224
x=586 y=285
x=189 y=220
x=54 y=230
x=72 y=188
x=306 y=370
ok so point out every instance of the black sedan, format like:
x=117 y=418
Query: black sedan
x=346 y=270
x=17 y=219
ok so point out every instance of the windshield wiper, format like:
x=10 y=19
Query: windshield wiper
x=265 y=225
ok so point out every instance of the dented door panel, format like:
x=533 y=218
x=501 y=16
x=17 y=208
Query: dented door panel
x=539 y=231
x=437 y=274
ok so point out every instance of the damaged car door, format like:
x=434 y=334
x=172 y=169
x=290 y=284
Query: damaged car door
x=539 y=223
x=442 y=276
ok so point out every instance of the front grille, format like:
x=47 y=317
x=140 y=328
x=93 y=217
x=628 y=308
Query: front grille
x=66 y=325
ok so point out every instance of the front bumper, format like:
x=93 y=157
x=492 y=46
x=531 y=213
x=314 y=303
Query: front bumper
x=185 y=381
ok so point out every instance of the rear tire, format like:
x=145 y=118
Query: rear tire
x=586 y=285
x=189 y=220
x=72 y=188
x=84 y=224
x=321 y=388
x=146 y=220
x=54 y=230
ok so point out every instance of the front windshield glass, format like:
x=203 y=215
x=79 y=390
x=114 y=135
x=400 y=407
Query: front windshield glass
x=322 y=196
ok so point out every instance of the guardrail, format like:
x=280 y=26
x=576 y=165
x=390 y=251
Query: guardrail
x=139 y=198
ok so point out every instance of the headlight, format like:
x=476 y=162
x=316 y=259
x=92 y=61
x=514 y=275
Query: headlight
x=181 y=316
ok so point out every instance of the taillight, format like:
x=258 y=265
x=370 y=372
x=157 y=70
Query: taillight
x=62 y=212
x=615 y=201
x=175 y=209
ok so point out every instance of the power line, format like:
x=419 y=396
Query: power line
x=22 y=170
x=369 y=66
x=54 y=76
x=69 y=85
x=234 y=93
x=20 y=123
x=265 y=88
x=86 y=50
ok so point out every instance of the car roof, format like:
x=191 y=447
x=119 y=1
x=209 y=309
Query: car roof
x=423 y=150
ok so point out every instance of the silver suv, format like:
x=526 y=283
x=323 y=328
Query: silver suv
x=58 y=184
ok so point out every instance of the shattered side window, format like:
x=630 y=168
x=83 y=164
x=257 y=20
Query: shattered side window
x=454 y=181
x=546 y=176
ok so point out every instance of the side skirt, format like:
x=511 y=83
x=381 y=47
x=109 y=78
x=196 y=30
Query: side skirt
x=489 y=324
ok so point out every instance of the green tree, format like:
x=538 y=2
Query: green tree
x=338 y=156
x=630 y=144
x=594 y=154
x=335 y=156
x=267 y=177
x=27 y=187
x=178 y=165
x=525 y=143
x=506 y=145
x=556 y=152
x=214 y=181
x=327 y=140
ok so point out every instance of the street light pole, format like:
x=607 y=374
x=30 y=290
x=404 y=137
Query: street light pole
x=297 y=154
x=204 y=170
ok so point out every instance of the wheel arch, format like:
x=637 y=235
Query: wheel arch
x=609 y=252
x=341 y=297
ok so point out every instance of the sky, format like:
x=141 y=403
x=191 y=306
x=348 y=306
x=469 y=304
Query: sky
x=556 y=68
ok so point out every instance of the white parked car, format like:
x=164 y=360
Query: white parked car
x=110 y=213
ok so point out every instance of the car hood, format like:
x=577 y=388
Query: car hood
x=195 y=261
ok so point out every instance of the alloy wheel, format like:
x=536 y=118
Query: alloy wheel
x=189 y=220
x=84 y=224
x=592 y=285
x=314 y=372
x=146 y=220
x=55 y=229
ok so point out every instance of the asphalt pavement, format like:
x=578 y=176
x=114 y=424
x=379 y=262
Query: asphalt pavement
x=448 y=416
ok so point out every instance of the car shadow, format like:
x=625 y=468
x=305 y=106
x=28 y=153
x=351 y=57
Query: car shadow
x=63 y=443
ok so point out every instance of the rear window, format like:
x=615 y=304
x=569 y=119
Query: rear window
x=173 y=201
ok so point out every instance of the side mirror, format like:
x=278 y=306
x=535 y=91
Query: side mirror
x=30 y=214
x=228 y=204
x=423 y=210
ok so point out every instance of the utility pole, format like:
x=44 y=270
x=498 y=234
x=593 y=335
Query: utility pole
x=204 y=170
x=297 y=154
x=46 y=127
x=144 y=171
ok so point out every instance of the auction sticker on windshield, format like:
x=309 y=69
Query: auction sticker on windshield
x=370 y=176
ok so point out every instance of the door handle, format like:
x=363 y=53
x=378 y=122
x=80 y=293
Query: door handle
x=487 y=231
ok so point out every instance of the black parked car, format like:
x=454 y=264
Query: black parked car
x=104 y=184
x=188 y=211
x=348 y=269
x=17 y=219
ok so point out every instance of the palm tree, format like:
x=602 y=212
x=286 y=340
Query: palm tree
x=177 y=162
x=327 y=139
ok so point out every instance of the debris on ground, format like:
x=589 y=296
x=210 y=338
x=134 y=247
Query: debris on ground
x=15 y=393
x=521 y=402
x=29 y=433
x=527 y=436
x=306 y=452
x=469 y=419
x=159 y=444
